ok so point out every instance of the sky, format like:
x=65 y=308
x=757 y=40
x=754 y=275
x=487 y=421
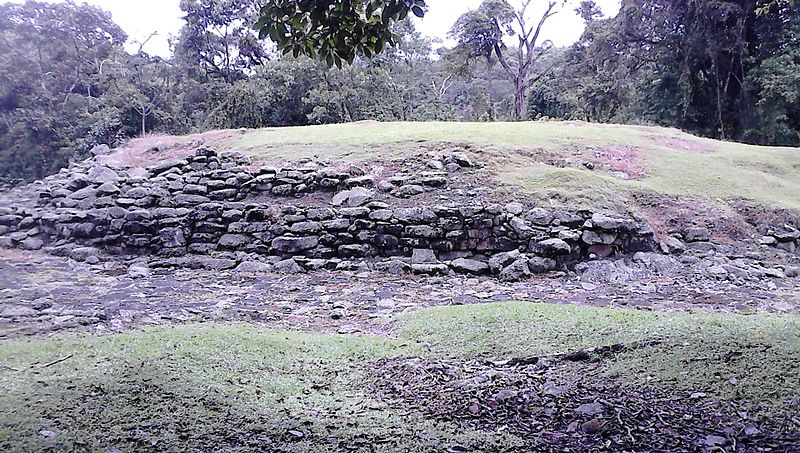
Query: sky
x=140 y=18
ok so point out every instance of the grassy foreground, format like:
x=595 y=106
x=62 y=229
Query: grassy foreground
x=241 y=388
x=674 y=162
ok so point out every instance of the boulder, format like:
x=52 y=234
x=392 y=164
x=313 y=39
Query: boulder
x=551 y=248
x=470 y=266
x=291 y=244
x=423 y=256
x=100 y=150
x=672 y=246
x=696 y=234
x=289 y=266
x=500 y=260
x=515 y=271
x=539 y=265
x=409 y=190
x=100 y=174
x=539 y=216
x=253 y=267
x=429 y=269
x=612 y=224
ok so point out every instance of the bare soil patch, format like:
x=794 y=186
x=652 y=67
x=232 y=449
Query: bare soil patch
x=563 y=406
x=152 y=149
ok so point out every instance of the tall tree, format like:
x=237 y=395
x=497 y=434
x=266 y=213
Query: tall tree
x=483 y=31
x=218 y=39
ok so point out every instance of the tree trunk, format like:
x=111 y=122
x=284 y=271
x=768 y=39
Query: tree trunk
x=144 y=123
x=519 y=100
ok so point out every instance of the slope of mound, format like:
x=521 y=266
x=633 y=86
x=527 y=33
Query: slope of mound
x=576 y=161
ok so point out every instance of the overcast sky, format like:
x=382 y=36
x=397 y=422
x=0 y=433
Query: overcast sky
x=140 y=18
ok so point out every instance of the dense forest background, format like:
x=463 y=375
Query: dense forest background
x=727 y=69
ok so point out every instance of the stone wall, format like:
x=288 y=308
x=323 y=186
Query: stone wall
x=200 y=206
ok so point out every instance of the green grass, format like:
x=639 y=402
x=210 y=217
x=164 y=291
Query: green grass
x=241 y=388
x=710 y=169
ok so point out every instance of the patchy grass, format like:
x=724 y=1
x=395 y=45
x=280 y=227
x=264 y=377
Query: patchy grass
x=675 y=163
x=749 y=359
x=240 y=388
x=205 y=388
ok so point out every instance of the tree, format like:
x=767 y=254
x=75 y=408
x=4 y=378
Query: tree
x=218 y=39
x=482 y=32
x=335 y=31
x=52 y=89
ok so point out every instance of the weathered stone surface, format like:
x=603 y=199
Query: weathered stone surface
x=423 y=256
x=234 y=241
x=470 y=266
x=288 y=266
x=501 y=260
x=408 y=190
x=697 y=234
x=515 y=271
x=672 y=246
x=551 y=247
x=253 y=267
x=416 y=215
x=590 y=237
x=291 y=244
x=539 y=265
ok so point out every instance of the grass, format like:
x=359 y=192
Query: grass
x=677 y=163
x=242 y=388
x=751 y=359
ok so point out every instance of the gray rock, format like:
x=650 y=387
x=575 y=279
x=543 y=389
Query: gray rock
x=416 y=215
x=172 y=237
x=500 y=260
x=539 y=216
x=306 y=227
x=138 y=270
x=551 y=247
x=768 y=241
x=696 y=234
x=435 y=164
x=786 y=235
x=381 y=215
x=289 y=266
x=539 y=265
x=291 y=244
x=99 y=174
x=613 y=224
x=359 y=196
x=214 y=264
x=423 y=256
x=470 y=266
x=515 y=271
x=429 y=269
x=409 y=190
x=590 y=237
x=32 y=243
x=234 y=241
x=100 y=150
x=253 y=267
x=83 y=253
x=514 y=208
x=672 y=246
x=17 y=311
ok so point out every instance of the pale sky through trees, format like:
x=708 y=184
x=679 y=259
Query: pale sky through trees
x=139 y=18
